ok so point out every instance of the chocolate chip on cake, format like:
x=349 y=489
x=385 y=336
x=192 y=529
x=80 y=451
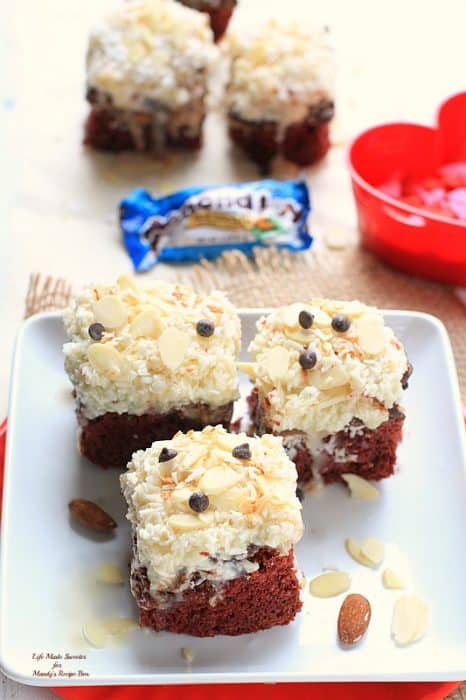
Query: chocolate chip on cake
x=167 y=454
x=308 y=359
x=96 y=331
x=341 y=323
x=198 y=502
x=305 y=319
x=406 y=376
x=299 y=493
x=242 y=451
x=205 y=328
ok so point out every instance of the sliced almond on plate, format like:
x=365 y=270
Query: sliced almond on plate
x=173 y=345
x=110 y=311
x=218 y=479
x=353 y=618
x=373 y=550
x=409 y=622
x=354 y=550
x=329 y=584
x=390 y=579
x=369 y=329
x=360 y=488
x=90 y=515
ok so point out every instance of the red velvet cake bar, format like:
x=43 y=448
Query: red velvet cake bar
x=329 y=376
x=147 y=68
x=146 y=362
x=280 y=97
x=219 y=11
x=215 y=518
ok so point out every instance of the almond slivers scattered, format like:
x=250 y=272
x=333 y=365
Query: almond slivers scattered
x=110 y=311
x=99 y=633
x=218 y=479
x=276 y=362
x=360 y=488
x=329 y=584
x=390 y=579
x=371 y=334
x=409 y=622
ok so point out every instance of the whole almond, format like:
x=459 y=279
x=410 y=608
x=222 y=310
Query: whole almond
x=353 y=618
x=91 y=515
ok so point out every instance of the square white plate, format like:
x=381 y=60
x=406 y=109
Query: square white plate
x=47 y=567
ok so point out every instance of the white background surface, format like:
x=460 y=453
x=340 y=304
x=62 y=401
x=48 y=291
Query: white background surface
x=396 y=60
x=62 y=559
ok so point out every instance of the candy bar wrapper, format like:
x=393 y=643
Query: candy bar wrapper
x=202 y=222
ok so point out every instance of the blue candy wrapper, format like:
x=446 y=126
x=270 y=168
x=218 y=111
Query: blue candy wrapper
x=202 y=222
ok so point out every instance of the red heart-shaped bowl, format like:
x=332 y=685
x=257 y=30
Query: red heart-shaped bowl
x=405 y=236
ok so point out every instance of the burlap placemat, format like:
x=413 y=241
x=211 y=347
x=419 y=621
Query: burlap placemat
x=275 y=277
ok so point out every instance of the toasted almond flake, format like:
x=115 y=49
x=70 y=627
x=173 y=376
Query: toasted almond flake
x=330 y=583
x=354 y=550
x=173 y=345
x=185 y=522
x=276 y=362
x=146 y=324
x=218 y=479
x=360 y=488
x=110 y=311
x=390 y=579
x=373 y=550
x=409 y=621
x=105 y=359
x=181 y=495
x=370 y=332
x=109 y=573
x=248 y=368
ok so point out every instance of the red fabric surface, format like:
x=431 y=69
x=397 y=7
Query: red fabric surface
x=299 y=691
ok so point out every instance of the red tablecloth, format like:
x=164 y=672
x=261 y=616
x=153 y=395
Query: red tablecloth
x=299 y=691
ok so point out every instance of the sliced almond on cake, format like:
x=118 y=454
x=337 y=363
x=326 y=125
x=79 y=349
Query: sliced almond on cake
x=146 y=325
x=218 y=479
x=330 y=583
x=369 y=329
x=105 y=359
x=185 y=522
x=360 y=488
x=276 y=362
x=110 y=311
x=173 y=345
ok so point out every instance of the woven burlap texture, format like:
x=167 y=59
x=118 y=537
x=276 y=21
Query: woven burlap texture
x=276 y=277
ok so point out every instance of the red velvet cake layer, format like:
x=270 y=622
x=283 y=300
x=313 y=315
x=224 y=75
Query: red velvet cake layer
x=219 y=16
x=304 y=142
x=265 y=598
x=111 y=439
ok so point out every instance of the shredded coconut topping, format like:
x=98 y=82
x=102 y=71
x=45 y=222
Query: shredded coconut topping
x=357 y=373
x=252 y=502
x=278 y=72
x=151 y=53
x=150 y=357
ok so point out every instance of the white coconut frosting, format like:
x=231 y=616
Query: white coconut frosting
x=151 y=51
x=151 y=357
x=278 y=71
x=357 y=373
x=251 y=502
